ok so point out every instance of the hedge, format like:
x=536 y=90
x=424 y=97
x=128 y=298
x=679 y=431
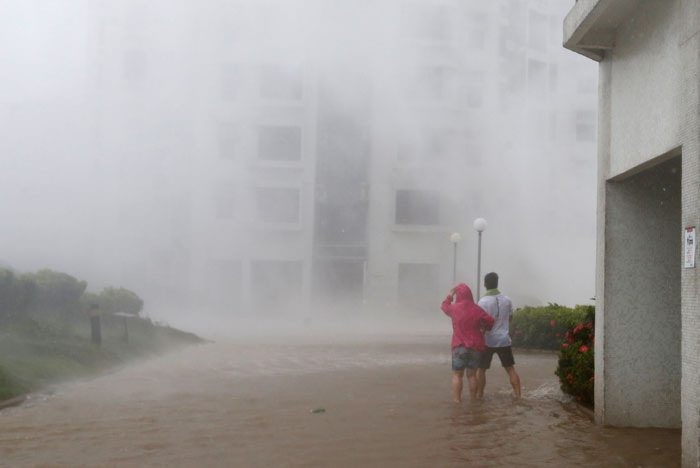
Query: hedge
x=58 y=296
x=55 y=291
x=545 y=327
x=113 y=300
x=15 y=293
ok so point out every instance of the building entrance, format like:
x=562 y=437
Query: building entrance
x=641 y=365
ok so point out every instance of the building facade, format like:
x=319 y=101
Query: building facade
x=264 y=168
x=647 y=332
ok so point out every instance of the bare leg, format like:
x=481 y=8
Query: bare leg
x=473 y=383
x=514 y=380
x=481 y=383
x=457 y=378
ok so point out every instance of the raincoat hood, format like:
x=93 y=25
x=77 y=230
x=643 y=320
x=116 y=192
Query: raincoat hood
x=463 y=293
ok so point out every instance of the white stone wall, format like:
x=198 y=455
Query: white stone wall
x=645 y=87
x=649 y=107
x=689 y=42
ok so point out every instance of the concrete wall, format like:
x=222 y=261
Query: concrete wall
x=642 y=299
x=649 y=107
x=645 y=87
x=689 y=43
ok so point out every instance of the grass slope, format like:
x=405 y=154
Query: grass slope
x=35 y=352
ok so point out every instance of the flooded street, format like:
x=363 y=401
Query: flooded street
x=386 y=402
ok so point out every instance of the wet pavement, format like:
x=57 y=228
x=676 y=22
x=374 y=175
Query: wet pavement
x=386 y=401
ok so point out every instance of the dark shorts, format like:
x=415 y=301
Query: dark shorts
x=465 y=358
x=505 y=354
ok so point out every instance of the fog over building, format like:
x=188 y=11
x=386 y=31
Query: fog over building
x=235 y=156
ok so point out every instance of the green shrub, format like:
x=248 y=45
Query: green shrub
x=9 y=387
x=113 y=300
x=15 y=293
x=576 y=365
x=545 y=327
x=55 y=291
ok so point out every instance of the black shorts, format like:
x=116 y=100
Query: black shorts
x=505 y=354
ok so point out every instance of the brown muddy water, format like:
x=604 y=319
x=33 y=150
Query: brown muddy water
x=386 y=400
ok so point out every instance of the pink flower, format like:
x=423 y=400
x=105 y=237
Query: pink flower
x=583 y=349
x=565 y=345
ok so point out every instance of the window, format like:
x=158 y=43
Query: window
x=538 y=31
x=474 y=88
x=553 y=77
x=231 y=20
x=419 y=285
x=228 y=140
x=474 y=96
x=432 y=146
x=280 y=83
x=443 y=145
x=225 y=201
x=278 y=204
x=537 y=79
x=408 y=152
x=275 y=284
x=134 y=66
x=418 y=207
x=585 y=126
x=472 y=152
x=225 y=280
x=476 y=30
x=426 y=22
x=340 y=281
x=230 y=81
x=432 y=84
x=277 y=143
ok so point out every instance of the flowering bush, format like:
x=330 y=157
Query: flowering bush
x=545 y=327
x=576 y=367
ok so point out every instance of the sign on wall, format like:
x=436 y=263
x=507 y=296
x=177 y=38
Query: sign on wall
x=689 y=245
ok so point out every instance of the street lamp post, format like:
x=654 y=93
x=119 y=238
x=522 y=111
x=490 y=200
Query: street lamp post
x=454 y=238
x=480 y=227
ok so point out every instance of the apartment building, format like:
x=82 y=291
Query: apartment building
x=282 y=163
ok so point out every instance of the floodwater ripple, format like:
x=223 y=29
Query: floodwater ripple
x=386 y=403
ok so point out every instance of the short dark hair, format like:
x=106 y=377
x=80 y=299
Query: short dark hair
x=491 y=280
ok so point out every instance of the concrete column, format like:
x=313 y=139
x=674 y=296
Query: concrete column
x=689 y=43
x=604 y=103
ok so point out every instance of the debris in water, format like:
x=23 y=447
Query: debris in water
x=318 y=410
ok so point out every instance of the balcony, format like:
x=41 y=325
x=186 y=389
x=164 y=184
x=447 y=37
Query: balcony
x=591 y=25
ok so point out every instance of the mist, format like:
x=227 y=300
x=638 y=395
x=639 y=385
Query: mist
x=297 y=162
